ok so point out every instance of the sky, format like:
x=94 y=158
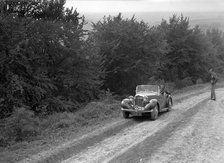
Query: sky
x=85 y=6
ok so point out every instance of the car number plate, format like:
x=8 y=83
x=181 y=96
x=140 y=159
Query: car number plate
x=137 y=114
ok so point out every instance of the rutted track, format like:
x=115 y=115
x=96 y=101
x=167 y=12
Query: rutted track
x=109 y=132
x=117 y=145
x=152 y=150
x=199 y=138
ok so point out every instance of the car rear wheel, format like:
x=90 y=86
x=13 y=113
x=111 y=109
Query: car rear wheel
x=170 y=103
x=125 y=114
x=155 y=113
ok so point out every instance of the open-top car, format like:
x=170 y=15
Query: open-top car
x=148 y=100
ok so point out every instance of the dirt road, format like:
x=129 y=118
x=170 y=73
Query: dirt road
x=192 y=132
x=200 y=140
x=142 y=140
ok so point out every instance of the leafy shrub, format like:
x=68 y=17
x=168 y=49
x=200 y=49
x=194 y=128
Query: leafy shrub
x=64 y=120
x=93 y=111
x=107 y=96
x=63 y=123
x=183 y=83
x=58 y=120
x=99 y=110
x=3 y=141
x=199 y=81
x=170 y=86
x=21 y=125
x=152 y=80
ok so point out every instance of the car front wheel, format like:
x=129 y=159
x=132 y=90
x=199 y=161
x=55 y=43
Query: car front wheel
x=155 y=113
x=125 y=114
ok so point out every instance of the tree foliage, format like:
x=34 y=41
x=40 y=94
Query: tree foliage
x=128 y=49
x=215 y=38
x=43 y=64
x=50 y=63
x=189 y=50
x=132 y=52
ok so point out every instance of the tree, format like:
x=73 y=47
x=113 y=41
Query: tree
x=128 y=49
x=43 y=57
x=216 y=39
x=187 y=50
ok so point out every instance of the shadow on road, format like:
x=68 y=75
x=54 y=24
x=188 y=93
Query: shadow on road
x=146 y=117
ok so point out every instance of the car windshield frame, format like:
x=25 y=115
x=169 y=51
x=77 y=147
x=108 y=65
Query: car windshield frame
x=147 y=89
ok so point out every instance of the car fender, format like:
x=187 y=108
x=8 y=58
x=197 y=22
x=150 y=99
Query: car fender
x=152 y=103
x=126 y=103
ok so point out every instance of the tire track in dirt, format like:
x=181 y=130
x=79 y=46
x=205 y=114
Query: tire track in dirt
x=147 y=150
x=76 y=146
x=113 y=146
x=199 y=140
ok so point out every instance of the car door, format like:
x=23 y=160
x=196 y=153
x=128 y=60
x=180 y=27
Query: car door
x=162 y=101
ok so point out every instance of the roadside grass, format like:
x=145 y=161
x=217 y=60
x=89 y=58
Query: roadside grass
x=44 y=133
x=52 y=130
x=190 y=88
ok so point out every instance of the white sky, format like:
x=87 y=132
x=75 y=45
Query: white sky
x=84 y=6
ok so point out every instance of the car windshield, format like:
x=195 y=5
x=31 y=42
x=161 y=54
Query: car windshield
x=146 y=88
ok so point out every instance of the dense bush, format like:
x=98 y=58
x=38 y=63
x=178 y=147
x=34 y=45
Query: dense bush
x=100 y=110
x=183 y=83
x=93 y=111
x=21 y=125
x=199 y=81
x=59 y=120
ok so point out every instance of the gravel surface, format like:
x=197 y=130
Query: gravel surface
x=147 y=141
x=138 y=139
x=200 y=140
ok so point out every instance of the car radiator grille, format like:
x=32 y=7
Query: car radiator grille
x=139 y=101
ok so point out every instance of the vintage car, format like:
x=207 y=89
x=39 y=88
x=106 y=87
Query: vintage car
x=148 y=100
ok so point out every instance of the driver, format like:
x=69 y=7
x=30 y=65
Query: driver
x=162 y=89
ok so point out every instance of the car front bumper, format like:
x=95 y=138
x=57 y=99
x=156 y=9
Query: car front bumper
x=136 y=110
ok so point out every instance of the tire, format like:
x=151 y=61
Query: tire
x=170 y=103
x=125 y=114
x=155 y=113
